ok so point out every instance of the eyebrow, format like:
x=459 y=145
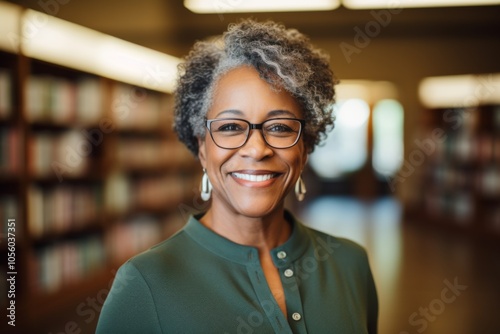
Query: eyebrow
x=230 y=111
x=280 y=112
x=272 y=113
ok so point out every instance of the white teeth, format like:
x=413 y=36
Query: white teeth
x=253 y=178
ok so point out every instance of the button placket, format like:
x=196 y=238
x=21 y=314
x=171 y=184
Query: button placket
x=293 y=299
x=273 y=314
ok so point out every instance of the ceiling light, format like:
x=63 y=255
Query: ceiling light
x=239 y=6
x=64 y=43
x=460 y=91
x=369 y=91
x=394 y=4
x=10 y=16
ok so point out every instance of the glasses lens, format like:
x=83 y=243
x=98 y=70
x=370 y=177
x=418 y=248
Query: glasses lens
x=233 y=133
x=281 y=133
x=229 y=133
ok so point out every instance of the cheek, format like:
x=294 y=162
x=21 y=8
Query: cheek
x=299 y=158
x=215 y=156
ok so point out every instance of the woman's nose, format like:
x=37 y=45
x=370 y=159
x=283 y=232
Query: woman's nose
x=256 y=146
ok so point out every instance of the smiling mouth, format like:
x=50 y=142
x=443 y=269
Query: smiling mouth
x=254 y=178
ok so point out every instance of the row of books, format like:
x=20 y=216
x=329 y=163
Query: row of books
x=461 y=151
x=136 y=108
x=464 y=148
x=143 y=153
x=463 y=208
x=458 y=205
x=10 y=150
x=64 y=101
x=65 y=263
x=469 y=120
x=132 y=236
x=59 y=100
x=69 y=153
x=64 y=208
x=484 y=180
x=157 y=193
x=9 y=209
x=489 y=181
x=160 y=192
x=59 y=154
x=6 y=93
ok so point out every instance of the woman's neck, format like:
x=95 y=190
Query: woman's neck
x=264 y=233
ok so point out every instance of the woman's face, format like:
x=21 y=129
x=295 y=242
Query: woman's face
x=242 y=94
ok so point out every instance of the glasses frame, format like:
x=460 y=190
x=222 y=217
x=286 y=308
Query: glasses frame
x=255 y=126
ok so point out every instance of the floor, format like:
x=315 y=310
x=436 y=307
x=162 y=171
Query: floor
x=429 y=280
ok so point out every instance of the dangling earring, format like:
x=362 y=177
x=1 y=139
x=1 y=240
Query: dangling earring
x=300 y=189
x=206 y=186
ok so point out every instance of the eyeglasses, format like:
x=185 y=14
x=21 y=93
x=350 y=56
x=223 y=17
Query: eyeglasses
x=231 y=133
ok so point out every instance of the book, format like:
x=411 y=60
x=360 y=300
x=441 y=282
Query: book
x=10 y=150
x=62 y=208
x=89 y=100
x=5 y=94
x=59 y=154
x=64 y=263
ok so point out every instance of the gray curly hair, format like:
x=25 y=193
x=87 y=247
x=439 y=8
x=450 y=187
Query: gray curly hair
x=283 y=57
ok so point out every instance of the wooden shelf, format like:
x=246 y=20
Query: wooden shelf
x=52 y=179
x=9 y=177
x=9 y=121
x=64 y=114
x=145 y=132
x=75 y=232
x=47 y=305
x=460 y=180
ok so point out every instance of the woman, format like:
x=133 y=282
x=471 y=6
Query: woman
x=251 y=108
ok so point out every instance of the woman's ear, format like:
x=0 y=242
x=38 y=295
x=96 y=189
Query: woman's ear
x=202 y=152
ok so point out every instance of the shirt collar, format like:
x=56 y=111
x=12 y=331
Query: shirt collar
x=289 y=251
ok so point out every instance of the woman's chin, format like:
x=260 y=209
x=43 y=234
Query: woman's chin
x=257 y=207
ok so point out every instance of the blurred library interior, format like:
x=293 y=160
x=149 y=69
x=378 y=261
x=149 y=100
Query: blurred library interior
x=91 y=172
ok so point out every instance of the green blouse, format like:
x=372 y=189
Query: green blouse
x=200 y=282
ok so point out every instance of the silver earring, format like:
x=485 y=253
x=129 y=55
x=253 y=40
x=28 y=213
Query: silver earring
x=300 y=189
x=206 y=186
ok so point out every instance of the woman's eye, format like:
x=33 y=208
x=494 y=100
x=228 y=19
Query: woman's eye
x=230 y=127
x=279 y=128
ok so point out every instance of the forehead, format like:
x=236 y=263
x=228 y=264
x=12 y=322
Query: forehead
x=243 y=90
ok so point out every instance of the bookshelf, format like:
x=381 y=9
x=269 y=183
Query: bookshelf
x=11 y=160
x=460 y=179
x=93 y=174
